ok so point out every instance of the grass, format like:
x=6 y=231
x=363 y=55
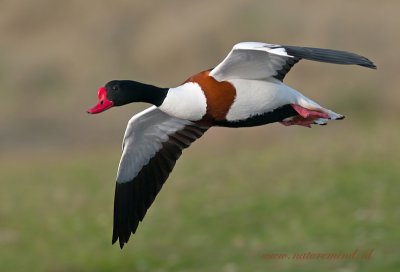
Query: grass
x=221 y=210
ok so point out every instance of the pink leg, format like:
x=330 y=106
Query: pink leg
x=306 y=113
x=305 y=118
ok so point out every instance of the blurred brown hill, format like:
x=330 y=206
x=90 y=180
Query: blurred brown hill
x=55 y=54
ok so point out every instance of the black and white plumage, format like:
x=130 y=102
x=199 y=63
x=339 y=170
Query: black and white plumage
x=256 y=60
x=245 y=89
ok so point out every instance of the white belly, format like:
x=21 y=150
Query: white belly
x=254 y=97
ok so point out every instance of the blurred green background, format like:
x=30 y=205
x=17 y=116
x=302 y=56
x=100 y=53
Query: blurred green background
x=235 y=195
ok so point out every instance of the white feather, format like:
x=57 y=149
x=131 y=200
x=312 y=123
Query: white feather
x=251 y=60
x=254 y=97
x=186 y=101
x=144 y=135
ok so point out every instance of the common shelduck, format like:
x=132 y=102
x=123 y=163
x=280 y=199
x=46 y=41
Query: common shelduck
x=246 y=89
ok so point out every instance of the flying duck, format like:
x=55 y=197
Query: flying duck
x=246 y=89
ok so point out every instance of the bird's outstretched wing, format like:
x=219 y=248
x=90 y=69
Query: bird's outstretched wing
x=255 y=60
x=152 y=143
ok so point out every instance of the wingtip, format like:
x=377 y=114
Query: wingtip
x=115 y=238
x=368 y=63
x=121 y=243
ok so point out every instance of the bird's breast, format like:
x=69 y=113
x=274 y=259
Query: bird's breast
x=186 y=101
x=219 y=95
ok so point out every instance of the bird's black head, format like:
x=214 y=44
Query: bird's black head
x=121 y=92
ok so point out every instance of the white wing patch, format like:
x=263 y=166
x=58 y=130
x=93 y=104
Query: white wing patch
x=251 y=60
x=144 y=135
